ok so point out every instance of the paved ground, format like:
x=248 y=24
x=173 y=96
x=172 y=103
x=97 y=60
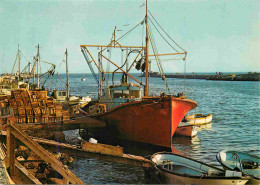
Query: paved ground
x=3 y=179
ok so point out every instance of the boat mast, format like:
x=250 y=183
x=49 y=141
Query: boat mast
x=146 y=90
x=67 y=74
x=38 y=62
x=19 y=63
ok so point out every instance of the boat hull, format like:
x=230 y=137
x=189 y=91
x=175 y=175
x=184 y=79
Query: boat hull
x=169 y=178
x=193 y=120
x=178 y=169
x=186 y=130
x=152 y=120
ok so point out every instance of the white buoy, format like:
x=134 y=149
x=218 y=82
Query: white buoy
x=92 y=140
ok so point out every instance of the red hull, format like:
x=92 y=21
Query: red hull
x=153 y=120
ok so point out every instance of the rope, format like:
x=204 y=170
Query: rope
x=163 y=36
x=166 y=32
x=158 y=59
x=129 y=31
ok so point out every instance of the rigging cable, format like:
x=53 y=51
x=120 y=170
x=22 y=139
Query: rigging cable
x=163 y=36
x=166 y=32
x=158 y=59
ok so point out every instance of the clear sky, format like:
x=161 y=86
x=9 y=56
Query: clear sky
x=219 y=35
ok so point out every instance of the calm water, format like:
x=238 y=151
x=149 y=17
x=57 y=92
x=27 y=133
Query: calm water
x=236 y=123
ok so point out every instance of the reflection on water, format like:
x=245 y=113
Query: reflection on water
x=235 y=107
x=207 y=126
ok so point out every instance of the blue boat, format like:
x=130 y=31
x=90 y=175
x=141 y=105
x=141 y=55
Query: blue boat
x=246 y=163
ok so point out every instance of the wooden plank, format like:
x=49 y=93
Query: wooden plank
x=45 y=155
x=77 y=151
x=102 y=148
x=10 y=142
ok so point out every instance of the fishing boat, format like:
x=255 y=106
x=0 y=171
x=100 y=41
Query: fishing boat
x=178 y=169
x=128 y=109
x=246 y=163
x=198 y=119
x=185 y=129
x=63 y=96
x=83 y=78
x=60 y=96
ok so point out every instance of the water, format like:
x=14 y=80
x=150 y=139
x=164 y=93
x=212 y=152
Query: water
x=235 y=107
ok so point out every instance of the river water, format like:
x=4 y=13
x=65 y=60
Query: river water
x=236 y=124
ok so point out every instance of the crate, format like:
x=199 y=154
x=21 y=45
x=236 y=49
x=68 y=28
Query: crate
x=52 y=118
x=58 y=114
x=17 y=94
x=43 y=94
x=35 y=104
x=24 y=94
x=19 y=102
x=12 y=102
x=21 y=111
x=45 y=118
x=29 y=111
x=50 y=103
x=30 y=119
x=26 y=102
x=15 y=109
x=58 y=119
x=44 y=110
x=37 y=119
x=42 y=102
x=52 y=110
x=20 y=119
x=37 y=111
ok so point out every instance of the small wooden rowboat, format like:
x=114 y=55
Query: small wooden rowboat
x=185 y=129
x=198 y=119
x=246 y=163
x=177 y=169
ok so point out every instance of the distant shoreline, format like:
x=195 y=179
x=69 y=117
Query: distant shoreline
x=218 y=76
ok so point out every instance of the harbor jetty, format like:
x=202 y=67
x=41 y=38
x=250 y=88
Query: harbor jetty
x=218 y=76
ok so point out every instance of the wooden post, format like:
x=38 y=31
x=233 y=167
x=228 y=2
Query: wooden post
x=10 y=141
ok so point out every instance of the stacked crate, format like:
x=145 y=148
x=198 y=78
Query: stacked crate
x=35 y=107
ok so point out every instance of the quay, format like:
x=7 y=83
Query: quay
x=225 y=77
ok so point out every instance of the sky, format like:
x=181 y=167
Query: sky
x=219 y=35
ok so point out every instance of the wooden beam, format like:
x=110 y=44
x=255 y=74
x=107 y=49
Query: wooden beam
x=45 y=155
x=122 y=69
x=10 y=151
x=182 y=53
x=109 y=46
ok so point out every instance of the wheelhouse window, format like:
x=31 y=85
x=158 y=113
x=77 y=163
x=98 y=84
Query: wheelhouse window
x=127 y=94
x=62 y=94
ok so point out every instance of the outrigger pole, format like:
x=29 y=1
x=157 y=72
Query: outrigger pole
x=146 y=88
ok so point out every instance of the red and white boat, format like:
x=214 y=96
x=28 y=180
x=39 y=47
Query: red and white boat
x=127 y=114
x=185 y=129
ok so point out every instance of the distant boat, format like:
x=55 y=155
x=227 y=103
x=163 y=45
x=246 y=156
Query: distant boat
x=185 y=129
x=60 y=96
x=177 y=169
x=83 y=78
x=198 y=119
x=246 y=163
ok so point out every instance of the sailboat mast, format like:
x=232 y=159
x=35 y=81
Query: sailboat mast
x=67 y=74
x=146 y=90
